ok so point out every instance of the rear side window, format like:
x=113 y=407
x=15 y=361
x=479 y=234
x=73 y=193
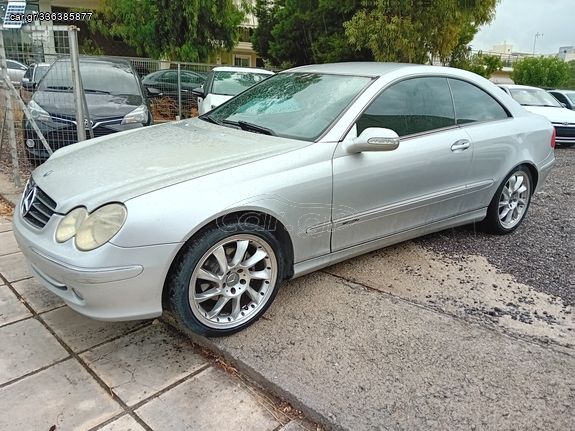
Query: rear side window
x=473 y=104
x=412 y=106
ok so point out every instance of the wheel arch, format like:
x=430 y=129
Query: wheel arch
x=259 y=217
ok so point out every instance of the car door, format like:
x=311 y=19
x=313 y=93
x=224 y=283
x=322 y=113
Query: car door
x=489 y=126
x=422 y=181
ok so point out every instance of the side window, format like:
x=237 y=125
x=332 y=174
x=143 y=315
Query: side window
x=171 y=77
x=560 y=97
x=29 y=72
x=412 y=106
x=472 y=104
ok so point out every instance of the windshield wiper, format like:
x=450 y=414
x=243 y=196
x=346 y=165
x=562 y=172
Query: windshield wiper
x=250 y=127
x=89 y=90
x=210 y=119
x=59 y=88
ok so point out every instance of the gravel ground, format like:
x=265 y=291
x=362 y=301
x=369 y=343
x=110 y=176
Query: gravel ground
x=541 y=253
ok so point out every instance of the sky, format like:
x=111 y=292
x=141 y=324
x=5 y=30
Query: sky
x=517 y=21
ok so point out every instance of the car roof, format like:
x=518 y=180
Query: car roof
x=241 y=69
x=364 y=68
x=515 y=86
x=99 y=59
x=563 y=91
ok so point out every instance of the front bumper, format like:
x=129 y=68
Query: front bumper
x=109 y=283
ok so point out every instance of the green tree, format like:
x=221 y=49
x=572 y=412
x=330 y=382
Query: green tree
x=413 y=31
x=482 y=64
x=570 y=84
x=186 y=30
x=296 y=32
x=544 y=72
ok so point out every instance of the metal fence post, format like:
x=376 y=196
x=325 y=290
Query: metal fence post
x=9 y=114
x=179 y=93
x=77 y=82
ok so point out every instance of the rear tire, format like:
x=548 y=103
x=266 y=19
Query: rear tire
x=510 y=204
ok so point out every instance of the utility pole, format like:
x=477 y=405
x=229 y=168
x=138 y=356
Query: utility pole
x=537 y=35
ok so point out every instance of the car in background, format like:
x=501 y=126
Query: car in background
x=164 y=83
x=541 y=102
x=225 y=82
x=204 y=218
x=114 y=96
x=567 y=97
x=31 y=79
x=16 y=71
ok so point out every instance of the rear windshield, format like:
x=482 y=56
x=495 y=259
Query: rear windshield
x=232 y=83
x=97 y=77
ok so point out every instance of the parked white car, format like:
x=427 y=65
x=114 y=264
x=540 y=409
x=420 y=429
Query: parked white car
x=541 y=102
x=16 y=71
x=223 y=83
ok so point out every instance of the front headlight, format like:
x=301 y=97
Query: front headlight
x=138 y=115
x=70 y=224
x=37 y=112
x=92 y=230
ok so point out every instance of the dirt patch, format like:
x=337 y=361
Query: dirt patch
x=467 y=286
x=6 y=208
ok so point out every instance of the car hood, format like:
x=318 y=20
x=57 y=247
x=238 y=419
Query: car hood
x=555 y=115
x=118 y=167
x=100 y=106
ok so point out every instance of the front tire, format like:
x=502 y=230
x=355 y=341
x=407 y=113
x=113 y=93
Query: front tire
x=225 y=279
x=509 y=206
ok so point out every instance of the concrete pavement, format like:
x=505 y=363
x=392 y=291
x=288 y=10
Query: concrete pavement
x=62 y=371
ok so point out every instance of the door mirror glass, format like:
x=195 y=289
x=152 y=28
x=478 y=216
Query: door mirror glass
x=373 y=139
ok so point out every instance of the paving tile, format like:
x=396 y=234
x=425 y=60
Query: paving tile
x=292 y=426
x=8 y=243
x=142 y=363
x=26 y=346
x=211 y=400
x=5 y=227
x=64 y=396
x=11 y=309
x=125 y=423
x=37 y=296
x=14 y=267
x=80 y=332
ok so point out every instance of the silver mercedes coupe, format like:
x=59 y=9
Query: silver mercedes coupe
x=204 y=218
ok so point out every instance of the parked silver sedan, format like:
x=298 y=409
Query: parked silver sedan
x=204 y=218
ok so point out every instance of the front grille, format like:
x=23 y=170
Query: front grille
x=565 y=132
x=37 y=207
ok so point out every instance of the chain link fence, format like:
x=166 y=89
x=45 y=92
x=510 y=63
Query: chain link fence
x=51 y=96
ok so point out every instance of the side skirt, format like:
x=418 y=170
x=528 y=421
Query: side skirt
x=314 y=264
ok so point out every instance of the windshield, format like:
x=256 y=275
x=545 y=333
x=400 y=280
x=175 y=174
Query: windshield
x=534 y=97
x=570 y=95
x=232 y=83
x=97 y=77
x=287 y=104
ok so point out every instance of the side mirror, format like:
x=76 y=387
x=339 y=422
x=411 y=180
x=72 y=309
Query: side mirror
x=29 y=85
x=199 y=91
x=153 y=91
x=373 y=139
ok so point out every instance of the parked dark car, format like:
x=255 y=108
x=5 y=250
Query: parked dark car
x=166 y=82
x=31 y=79
x=567 y=97
x=114 y=96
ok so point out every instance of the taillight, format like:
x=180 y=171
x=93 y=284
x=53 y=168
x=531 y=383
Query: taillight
x=553 y=138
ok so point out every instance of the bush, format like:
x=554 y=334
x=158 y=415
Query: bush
x=546 y=72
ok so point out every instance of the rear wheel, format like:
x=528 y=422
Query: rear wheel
x=510 y=203
x=226 y=279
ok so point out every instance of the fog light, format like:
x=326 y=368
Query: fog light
x=30 y=143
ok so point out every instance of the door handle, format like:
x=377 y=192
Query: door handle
x=461 y=145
